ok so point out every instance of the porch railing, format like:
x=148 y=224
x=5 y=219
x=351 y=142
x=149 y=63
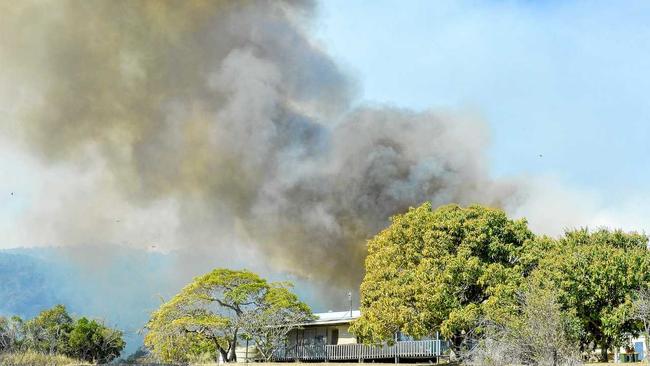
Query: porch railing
x=404 y=349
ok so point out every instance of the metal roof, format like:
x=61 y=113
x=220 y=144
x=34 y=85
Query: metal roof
x=334 y=317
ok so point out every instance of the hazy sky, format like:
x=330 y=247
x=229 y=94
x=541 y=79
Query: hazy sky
x=567 y=80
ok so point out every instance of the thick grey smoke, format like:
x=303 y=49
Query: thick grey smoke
x=228 y=116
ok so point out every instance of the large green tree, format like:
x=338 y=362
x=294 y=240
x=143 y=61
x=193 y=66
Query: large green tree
x=439 y=269
x=596 y=275
x=216 y=309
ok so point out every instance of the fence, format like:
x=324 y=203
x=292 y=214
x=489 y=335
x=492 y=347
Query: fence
x=342 y=352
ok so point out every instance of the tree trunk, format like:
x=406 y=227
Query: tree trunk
x=232 y=357
x=456 y=346
x=603 y=352
x=222 y=352
x=233 y=347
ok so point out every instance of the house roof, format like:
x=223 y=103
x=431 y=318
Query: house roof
x=334 y=317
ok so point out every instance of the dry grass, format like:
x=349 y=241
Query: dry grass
x=311 y=364
x=368 y=364
x=37 y=359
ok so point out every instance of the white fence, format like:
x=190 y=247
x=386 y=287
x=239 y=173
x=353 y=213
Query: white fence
x=404 y=349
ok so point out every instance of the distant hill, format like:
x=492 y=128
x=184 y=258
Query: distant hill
x=26 y=285
x=118 y=285
x=121 y=287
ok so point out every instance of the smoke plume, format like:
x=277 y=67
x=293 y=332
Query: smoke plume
x=226 y=122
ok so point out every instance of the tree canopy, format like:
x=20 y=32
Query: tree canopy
x=92 y=341
x=596 y=275
x=215 y=310
x=451 y=268
x=437 y=269
x=49 y=331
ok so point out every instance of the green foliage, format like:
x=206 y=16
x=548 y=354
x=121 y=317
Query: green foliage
x=449 y=269
x=48 y=332
x=53 y=332
x=92 y=341
x=439 y=270
x=210 y=314
x=596 y=275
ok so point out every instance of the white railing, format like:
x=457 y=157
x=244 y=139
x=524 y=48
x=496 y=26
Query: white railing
x=404 y=349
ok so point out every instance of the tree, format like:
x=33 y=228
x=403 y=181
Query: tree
x=270 y=324
x=596 y=274
x=48 y=332
x=439 y=269
x=92 y=341
x=216 y=308
x=53 y=332
x=539 y=333
x=641 y=312
x=12 y=334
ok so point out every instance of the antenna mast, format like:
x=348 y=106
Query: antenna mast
x=350 y=300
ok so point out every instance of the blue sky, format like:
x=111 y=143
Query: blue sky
x=565 y=80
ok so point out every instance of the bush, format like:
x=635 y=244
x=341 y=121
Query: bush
x=92 y=341
x=54 y=332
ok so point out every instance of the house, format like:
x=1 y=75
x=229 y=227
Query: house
x=327 y=338
x=329 y=328
x=635 y=350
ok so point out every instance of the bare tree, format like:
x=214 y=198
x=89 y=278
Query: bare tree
x=110 y=344
x=641 y=312
x=11 y=334
x=495 y=348
x=540 y=334
x=268 y=330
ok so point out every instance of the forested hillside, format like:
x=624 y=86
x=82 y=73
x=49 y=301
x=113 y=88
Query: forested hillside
x=27 y=284
x=34 y=280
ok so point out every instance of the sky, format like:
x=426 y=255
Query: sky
x=563 y=85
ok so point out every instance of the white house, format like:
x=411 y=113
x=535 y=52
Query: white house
x=327 y=338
